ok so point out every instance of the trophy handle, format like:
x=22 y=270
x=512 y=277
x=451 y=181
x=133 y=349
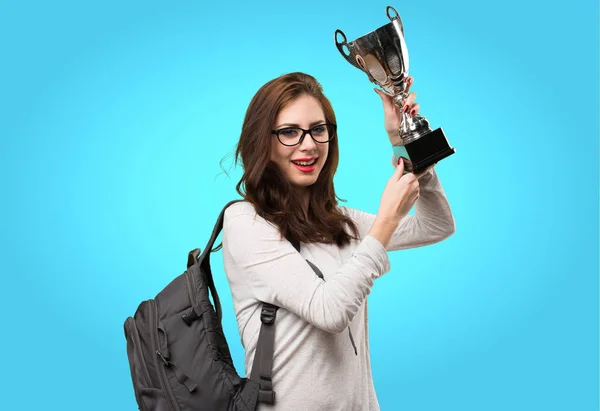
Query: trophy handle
x=397 y=16
x=340 y=46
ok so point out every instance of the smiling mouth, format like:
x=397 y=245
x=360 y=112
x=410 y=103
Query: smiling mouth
x=305 y=163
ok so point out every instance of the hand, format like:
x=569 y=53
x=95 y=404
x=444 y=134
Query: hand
x=399 y=196
x=393 y=114
x=418 y=175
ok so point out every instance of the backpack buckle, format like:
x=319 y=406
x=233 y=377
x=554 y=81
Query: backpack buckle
x=192 y=315
x=267 y=314
x=266 y=396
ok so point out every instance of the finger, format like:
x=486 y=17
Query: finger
x=409 y=101
x=409 y=82
x=409 y=178
x=399 y=169
x=415 y=109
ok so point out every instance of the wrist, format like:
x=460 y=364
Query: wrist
x=394 y=138
x=382 y=230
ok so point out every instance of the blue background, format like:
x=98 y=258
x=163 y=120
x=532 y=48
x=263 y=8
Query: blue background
x=114 y=117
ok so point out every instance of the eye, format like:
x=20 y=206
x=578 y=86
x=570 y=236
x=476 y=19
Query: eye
x=319 y=129
x=289 y=132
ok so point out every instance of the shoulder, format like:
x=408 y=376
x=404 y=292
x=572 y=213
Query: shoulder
x=243 y=215
x=343 y=209
x=350 y=212
x=244 y=229
x=238 y=209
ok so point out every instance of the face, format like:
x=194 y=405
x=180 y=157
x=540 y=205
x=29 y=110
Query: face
x=304 y=112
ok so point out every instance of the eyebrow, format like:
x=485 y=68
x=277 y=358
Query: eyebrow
x=315 y=123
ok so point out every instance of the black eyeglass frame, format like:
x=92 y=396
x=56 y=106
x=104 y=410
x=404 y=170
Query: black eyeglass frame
x=305 y=132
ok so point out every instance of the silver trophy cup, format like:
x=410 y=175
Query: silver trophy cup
x=382 y=54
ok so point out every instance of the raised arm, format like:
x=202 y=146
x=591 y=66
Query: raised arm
x=432 y=222
x=279 y=275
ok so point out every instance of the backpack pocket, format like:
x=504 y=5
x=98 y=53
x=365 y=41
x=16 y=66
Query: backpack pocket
x=152 y=400
x=148 y=398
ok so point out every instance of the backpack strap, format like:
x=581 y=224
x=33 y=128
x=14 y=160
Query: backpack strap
x=263 y=357
x=193 y=257
x=262 y=368
x=204 y=259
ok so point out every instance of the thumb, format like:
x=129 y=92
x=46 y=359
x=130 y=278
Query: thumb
x=399 y=169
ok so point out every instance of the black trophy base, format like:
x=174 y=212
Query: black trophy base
x=428 y=150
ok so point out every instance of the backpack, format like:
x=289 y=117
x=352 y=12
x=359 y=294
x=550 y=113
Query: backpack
x=178 y=356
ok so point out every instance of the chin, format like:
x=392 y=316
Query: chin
x=304 y=181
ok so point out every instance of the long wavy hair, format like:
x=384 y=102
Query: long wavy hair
x=265 y=186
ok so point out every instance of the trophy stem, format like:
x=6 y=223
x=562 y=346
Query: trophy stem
x=407 y=122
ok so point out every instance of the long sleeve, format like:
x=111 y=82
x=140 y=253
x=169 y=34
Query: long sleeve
x=279 y=275
x=432 y=222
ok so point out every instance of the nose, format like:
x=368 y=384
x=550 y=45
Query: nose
x=308 y=143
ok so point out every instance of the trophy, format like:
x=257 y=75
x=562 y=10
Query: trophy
x=383 y=56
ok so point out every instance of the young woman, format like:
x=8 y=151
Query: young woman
x=289 y=151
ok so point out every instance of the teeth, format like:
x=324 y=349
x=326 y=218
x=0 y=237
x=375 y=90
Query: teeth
x=304 y=163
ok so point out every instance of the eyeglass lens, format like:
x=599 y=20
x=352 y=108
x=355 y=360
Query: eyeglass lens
x=291 y=136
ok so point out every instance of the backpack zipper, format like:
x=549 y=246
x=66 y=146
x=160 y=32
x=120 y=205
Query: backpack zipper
x=160 y=366
x=130 y=324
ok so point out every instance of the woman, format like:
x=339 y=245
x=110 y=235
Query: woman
x=289 y=151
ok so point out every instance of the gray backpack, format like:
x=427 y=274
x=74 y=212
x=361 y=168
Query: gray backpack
x=178 y=356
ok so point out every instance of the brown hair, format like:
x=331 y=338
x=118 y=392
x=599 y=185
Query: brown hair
x=264 y=185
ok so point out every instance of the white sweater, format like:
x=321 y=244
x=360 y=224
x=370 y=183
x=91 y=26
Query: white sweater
x=314 y=364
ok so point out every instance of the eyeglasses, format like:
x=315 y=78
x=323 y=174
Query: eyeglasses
x=292 y=136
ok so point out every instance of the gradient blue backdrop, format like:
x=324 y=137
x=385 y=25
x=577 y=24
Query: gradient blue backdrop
x=114 y=117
